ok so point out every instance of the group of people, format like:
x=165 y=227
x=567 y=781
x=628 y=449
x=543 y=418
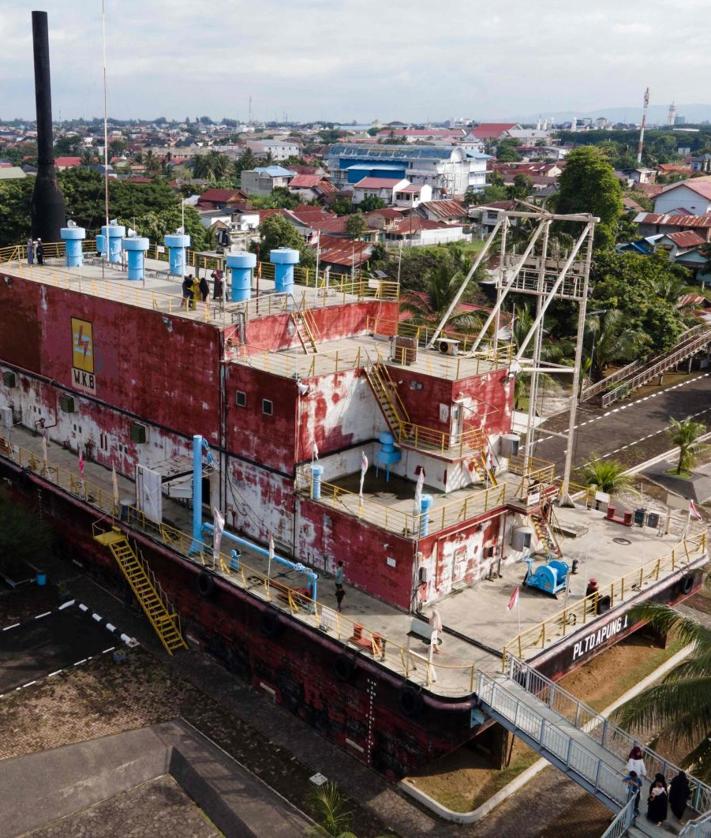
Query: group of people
x=35 y=251
x=195 y=289
x=674 y=795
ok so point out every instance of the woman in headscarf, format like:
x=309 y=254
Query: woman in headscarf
x=635 y=763
x=657 y=803
x=679 y=794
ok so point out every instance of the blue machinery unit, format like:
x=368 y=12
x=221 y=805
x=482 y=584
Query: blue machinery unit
x=201 y=447
x=549 y=578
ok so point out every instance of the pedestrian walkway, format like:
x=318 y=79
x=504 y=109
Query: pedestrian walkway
x=585 y=746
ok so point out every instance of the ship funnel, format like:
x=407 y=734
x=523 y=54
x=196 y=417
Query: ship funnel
x=47 y=209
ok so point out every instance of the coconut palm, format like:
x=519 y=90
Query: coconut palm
x=332 y=813
x=607 y=475
x=429 y=307
x=613 y=341
x=679 y=706
x=685 y=433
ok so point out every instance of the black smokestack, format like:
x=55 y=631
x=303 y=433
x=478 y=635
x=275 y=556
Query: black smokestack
x=48 y=212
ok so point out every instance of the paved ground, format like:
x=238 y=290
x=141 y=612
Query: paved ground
x=45 y=644
x=159 y=807
x=633 y=429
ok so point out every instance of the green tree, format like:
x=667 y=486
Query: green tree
x=613 y=341
x=15 y=198
x=685 y=434
x=332 y=812
x=370 y=203
x=679 y=706
x=343 y=205
x=22 y=535
x=607 y=475
x=276 y=231
x=442 y=283
x=589 y=184
x=211 y=166
x=356 y=225
x=507 y=151
x=245 y=161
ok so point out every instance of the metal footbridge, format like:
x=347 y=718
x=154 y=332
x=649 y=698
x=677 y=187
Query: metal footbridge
x=587 y=747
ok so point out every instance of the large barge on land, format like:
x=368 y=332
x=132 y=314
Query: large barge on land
x=291 y=389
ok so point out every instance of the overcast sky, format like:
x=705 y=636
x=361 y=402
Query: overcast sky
x=358 y=59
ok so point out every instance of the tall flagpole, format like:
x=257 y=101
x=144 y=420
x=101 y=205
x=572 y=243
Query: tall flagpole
x=106 y=137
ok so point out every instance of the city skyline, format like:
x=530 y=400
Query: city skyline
x=314 y=60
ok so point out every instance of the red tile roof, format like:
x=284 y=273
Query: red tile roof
x=222 y=196
x=492 y=130
x=304 y=182
x=344 y=252
x=666 y=220
x=67 y=162
x=701 y=186
x=686 y=239
x=443 y=210
x=415 y=223
x=376 y=183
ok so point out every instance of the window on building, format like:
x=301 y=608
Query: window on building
x=267 y=407
x=241 y=398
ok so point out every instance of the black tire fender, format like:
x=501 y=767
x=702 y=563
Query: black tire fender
x=344 y=667
x=271 y=623
x=205 y=584
x=687 y=583
x=411 y=701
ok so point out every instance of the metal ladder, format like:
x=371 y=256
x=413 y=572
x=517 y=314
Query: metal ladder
x=305 y=330
x=165 y=622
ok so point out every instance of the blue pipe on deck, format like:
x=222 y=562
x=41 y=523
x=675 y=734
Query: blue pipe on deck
x=262 y=551
x=199 y=446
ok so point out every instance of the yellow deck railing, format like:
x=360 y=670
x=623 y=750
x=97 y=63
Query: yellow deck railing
x=569 y=619
x=408 y=523
x=453 y=678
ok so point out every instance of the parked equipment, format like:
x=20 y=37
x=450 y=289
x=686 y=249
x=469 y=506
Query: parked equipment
x=549 y=578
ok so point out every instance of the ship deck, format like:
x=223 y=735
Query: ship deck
x=160 y=291
x=477 y=613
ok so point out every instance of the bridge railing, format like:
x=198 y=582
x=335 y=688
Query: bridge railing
x=614 y=739
x=623 y=820
x=698 y=828
x=603 y=777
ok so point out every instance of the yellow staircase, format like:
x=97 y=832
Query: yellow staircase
x=545 y=534
x=306 y=330
x=487 y=471
x=165 y=623
x=385 y=392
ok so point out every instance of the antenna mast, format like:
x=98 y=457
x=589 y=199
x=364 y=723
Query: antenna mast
x=106 y=134
x=643 y=126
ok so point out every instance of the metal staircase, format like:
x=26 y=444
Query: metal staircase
x=634 y=375
x=587 y=747
x=418 y=436
x=544 y=533
x=144 y=585
x=306 y=330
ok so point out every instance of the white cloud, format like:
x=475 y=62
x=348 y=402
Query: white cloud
x=341 y=59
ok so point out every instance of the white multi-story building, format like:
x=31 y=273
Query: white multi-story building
x=445 y=168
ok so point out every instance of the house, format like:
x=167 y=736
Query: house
x=478 y=167
x=343 y=255
x=278 y=150
x=221 y=199
x=12 y=173
x=417 y=231
x=487 y=216
x=265 y=179
x=377 y=187
x=310 y=187
x=694 y=195
x=445 y=168
x=412 y=195
x=653 y=223
x=62 y=163
x=493 y=130
x=445 y=211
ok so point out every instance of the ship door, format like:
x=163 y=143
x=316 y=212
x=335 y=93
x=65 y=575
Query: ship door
x=206 y=500
x=457 y=416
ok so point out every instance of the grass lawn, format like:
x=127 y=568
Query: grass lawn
x=464 y=780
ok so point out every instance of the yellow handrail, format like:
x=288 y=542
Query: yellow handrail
x=625 y=587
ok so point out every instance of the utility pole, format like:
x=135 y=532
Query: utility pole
x=640 y=149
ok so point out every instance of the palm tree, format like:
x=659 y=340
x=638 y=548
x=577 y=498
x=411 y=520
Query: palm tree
x=442 y=286
x=607 y=475
x=613 y=340
x=679 y=706
x=685 y=433
x=334 y=818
